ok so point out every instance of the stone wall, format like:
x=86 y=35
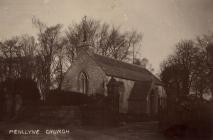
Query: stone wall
x=95 y=75
x=62 y=115
x=58 y=116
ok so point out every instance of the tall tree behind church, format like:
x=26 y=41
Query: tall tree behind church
x=103 y=39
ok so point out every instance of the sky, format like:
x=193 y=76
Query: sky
x=162 y=22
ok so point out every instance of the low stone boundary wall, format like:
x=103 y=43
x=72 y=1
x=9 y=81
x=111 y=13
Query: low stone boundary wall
x=59 y=115
x=50 y=115
x=66 y=115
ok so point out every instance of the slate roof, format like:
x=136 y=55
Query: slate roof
x=124 y=70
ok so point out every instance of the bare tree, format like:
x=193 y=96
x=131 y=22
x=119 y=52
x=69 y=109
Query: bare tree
x=61 y=63
x=205 y=43
x=188 y=68
x=17 y=56
x=26 y=53
x=49 y=43
x=9 y=52
x=104 y=40
x=183 y=60
x=185 y=57
x=85 y=31
x=133 y=40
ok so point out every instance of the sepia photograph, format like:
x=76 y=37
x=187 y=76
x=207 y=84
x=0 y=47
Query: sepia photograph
x=106 y=69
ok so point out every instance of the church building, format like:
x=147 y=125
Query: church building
x=140 y=92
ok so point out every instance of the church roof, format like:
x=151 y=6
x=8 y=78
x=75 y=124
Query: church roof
x=124 y=70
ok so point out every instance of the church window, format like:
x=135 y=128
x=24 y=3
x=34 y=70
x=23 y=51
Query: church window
x=83 y=83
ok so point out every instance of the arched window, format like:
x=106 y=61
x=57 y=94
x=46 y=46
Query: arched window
x=82 y=83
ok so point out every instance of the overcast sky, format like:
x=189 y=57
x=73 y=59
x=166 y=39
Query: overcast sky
x=162 y=22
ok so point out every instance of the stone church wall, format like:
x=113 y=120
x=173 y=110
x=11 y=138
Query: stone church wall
x=96 y=77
